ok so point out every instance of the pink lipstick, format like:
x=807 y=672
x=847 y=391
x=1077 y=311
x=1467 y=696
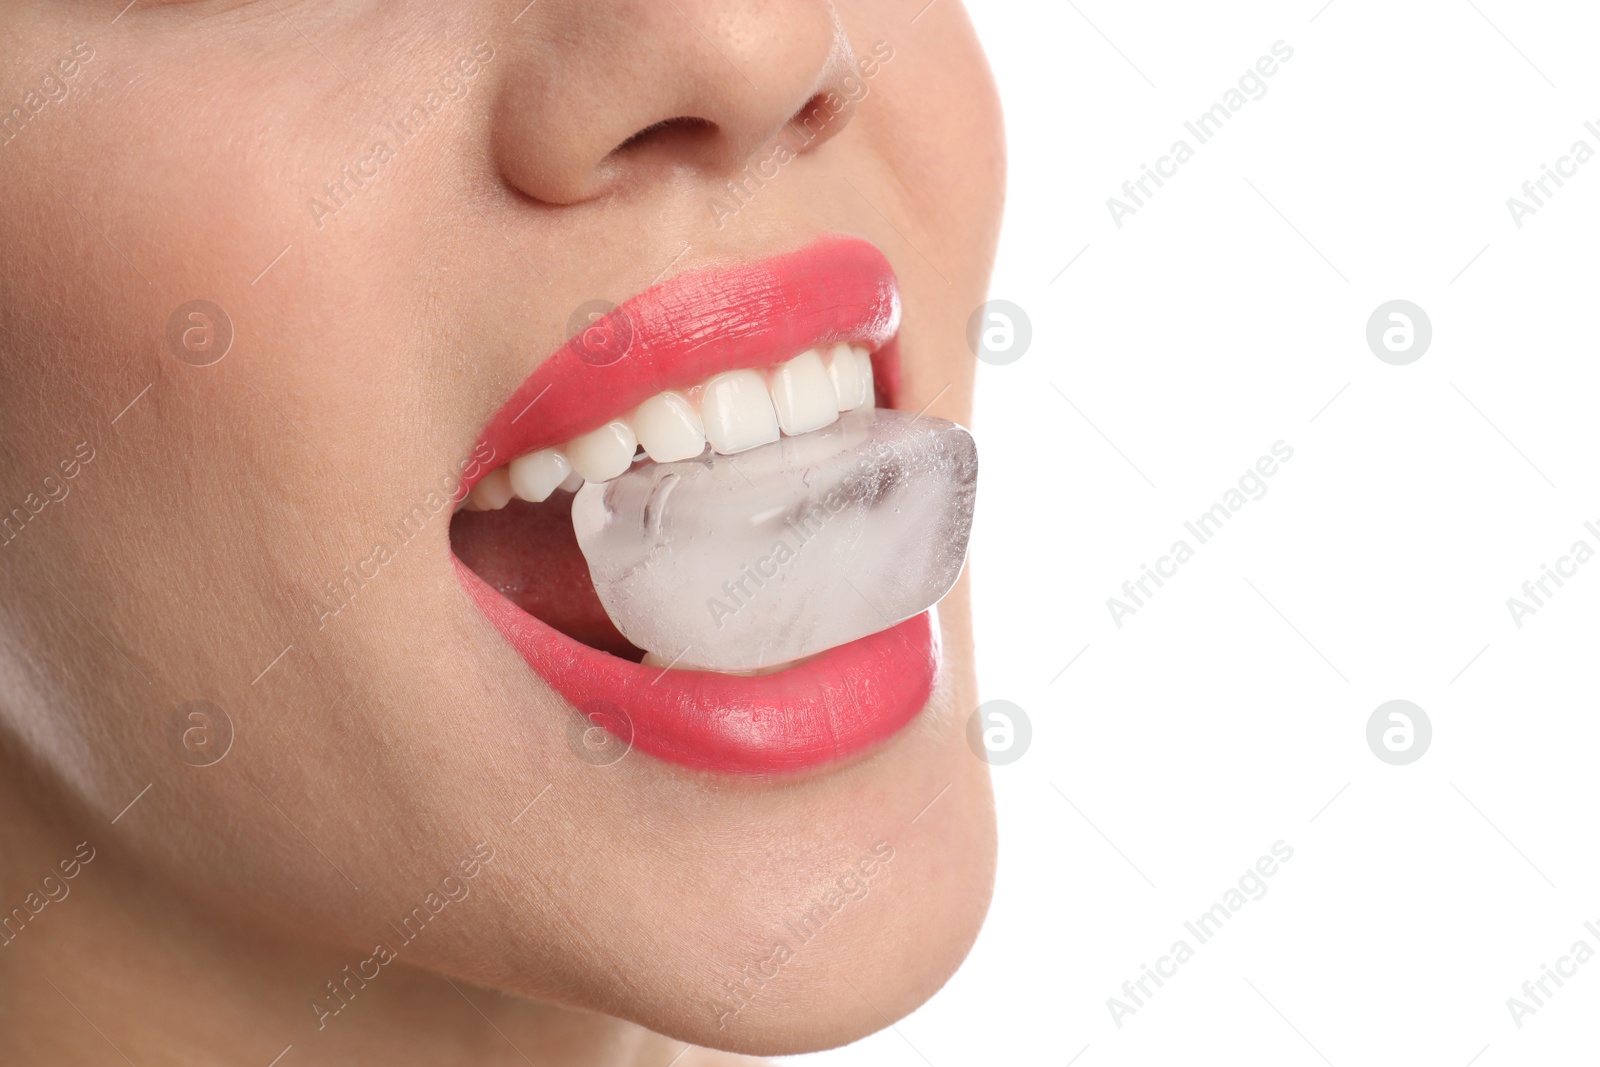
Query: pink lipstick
x=834 y=705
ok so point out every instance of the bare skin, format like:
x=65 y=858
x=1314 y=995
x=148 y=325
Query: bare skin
x=186 y=156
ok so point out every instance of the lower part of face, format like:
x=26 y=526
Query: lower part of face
x=386 y=216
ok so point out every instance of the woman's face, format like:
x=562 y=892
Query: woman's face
x=395 y=213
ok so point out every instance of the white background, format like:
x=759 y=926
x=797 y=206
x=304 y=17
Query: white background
x=1230 y=712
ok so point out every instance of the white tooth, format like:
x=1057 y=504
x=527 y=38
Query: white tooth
x=737 y=412
x=802 y=394
x=600 y=455
x=845 y=373
x=669 y=428
x=573 y=483
x=535 y=476
x=493 y=492
x=864 y=369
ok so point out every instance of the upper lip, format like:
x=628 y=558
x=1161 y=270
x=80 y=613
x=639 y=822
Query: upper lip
x=837 y=704
x=703 y=322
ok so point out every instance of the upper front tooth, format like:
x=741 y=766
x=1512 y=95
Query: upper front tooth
x=535 y=476
x=669 y=428
x=600 y=455
x=733 y=411
x=864 y=369
x=803 y=395
x=737 y=412
x=845 y=371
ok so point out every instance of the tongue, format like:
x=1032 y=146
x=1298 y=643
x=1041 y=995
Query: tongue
x=527 y=552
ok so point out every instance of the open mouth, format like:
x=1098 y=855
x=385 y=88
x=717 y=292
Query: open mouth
x=775 y=362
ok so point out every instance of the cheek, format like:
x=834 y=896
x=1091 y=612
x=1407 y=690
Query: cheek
x=933 y=120
x=934 y=113
x=161 y=179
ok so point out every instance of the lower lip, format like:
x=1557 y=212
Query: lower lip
x=833 y=706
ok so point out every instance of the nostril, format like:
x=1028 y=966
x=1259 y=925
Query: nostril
x=822 y=116
x=684 y=129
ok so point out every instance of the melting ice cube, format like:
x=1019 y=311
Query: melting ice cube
x=734 y=563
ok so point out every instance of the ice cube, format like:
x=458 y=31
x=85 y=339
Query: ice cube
x=735 y=563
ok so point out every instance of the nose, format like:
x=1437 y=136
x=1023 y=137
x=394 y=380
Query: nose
x=597 y=96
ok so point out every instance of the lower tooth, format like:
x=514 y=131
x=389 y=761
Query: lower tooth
x=730 y=563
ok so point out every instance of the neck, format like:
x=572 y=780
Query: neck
x=107 y=959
